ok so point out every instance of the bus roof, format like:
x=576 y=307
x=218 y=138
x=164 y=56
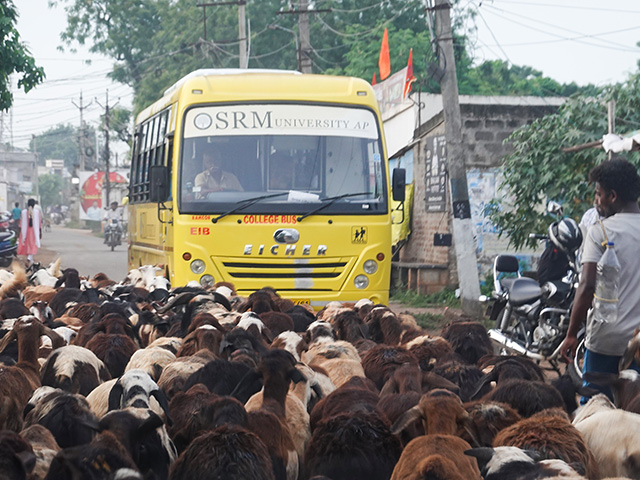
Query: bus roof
x=211 y=85
x=206 y=72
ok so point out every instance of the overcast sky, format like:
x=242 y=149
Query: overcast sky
x=585 y=41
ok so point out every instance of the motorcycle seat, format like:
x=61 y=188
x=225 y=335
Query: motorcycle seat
x=524 y=290
x=507 y=282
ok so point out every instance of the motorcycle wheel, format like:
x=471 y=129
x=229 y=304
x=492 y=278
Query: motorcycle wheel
x=113 y=246
x=575 y=367
x=6 y=261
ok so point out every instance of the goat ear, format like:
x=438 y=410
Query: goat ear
x=115 y=396
x=364 y=330
x=485 y=380
x=482 y=454
x=629 y=354
x=164 y=403
x=470 y=427
x=150 y=424
x=433 y=380
x=406 y=419
x=295 y=376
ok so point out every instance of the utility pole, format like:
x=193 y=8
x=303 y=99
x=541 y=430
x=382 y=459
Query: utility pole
x=304 y=50
x=81 y=146
x=462 y=228
x=305 y=42
x=107 y=182
x=242 y=34
x=242 y=27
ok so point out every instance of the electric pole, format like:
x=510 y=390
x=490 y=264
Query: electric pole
x=81 y=133
x=242 y=34
x=304 y=50
x=305 y=42
x=466 y=260
x=242 y=27
x=107 y=153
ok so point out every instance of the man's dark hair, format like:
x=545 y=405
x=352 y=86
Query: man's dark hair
x=619 y=175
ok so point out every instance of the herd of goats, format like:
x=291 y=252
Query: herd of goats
x=136 y=380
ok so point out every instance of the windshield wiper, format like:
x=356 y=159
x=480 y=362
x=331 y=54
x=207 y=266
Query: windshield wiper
x=247 y=203
x=330 y=201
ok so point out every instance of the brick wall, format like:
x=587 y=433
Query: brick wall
x=484 y=128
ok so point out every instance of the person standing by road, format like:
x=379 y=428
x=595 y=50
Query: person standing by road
x=617 y=188
x=15 y=217
x=29 y=231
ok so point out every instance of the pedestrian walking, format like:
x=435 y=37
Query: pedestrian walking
x=29 y=231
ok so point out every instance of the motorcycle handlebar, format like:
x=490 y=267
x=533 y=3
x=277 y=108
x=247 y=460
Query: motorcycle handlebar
x=538 y=236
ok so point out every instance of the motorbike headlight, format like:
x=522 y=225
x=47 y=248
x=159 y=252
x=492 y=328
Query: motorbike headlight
x=370 y=267
x=198 y=267
x=207 y=280
x=361 y=282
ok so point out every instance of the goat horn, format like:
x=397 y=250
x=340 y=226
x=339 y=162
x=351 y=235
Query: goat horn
x=179 y=299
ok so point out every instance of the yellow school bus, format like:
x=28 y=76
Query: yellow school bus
x=265 y=178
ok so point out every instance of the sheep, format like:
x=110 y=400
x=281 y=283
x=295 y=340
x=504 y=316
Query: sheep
x=625 y=387
x=441 y=412
x=220 y=377
x=487 y=419
x=290 y=341
x=151 y=360
x=16 y=457
x=74 y=369
x=352 y=445
x=104 y=458
x=144 y=436
x=513 y=463
x=553 y=436
x=114 y=351
x=18 y=382
x=44 y=447
x=526 y=396
x=176 y=374
x=135 y=389
x=67 y=416
x=277 y=322
x=409 y=378
x=612 y=435
x=383 y=326
x=345 y=399
x=428 y=349
x=380 y=361
x=277 y=371
x=436 y=456
x=469 y=339
x=228 y=452
x=204 y=337
x=198 y=410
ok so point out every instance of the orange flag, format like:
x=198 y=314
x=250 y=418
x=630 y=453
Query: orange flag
x=409 y=79
x=384 y=62
x=373 y=80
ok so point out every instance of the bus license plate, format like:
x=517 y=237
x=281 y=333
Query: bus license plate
x=302 y=301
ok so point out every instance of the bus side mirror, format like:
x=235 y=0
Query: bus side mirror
x=398 y=181
x=159 y=177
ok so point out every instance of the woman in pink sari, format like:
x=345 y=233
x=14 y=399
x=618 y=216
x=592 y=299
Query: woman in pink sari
x=29 y=241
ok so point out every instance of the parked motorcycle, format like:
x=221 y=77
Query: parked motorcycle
x=112 y=233
x=532 y=316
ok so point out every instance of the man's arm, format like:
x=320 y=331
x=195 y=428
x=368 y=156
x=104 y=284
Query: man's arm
x=581 y=305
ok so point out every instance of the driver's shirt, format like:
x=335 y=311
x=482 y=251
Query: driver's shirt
x=207 y=183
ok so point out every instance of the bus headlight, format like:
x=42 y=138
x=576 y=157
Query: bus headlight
x=370 y=267
x=207 y=280
x=361 y=281
x=198 y=267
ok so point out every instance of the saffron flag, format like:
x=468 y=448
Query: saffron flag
x=384 y=62
x=373 y=80
x=409 y=79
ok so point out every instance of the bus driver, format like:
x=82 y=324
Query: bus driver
x=213 y=178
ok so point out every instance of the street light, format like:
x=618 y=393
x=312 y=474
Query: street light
x=295 y=36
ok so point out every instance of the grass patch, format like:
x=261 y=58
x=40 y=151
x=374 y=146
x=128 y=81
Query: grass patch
x=430 y=321
x=444 y=298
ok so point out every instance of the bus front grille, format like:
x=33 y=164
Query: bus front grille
x=281 y=269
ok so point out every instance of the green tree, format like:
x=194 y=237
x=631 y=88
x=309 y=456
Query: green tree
x=61 y=143
x=14 y=57
x=51 y=190
x=538 y=170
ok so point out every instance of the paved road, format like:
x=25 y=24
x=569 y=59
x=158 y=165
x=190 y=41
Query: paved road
x=84 y=251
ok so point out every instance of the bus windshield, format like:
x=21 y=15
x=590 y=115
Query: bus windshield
x=281 y=158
